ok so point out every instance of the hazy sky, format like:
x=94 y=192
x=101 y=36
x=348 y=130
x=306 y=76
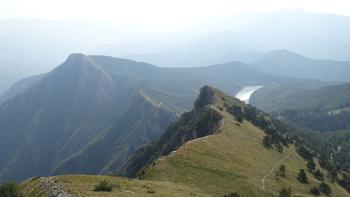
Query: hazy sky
x=157 y=12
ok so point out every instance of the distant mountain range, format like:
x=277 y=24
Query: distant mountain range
x=246 y=37
x=281 y=63
x=278 y=98
x=290 y=64
x=10 y=73
x=20 y=87
x=32 y=46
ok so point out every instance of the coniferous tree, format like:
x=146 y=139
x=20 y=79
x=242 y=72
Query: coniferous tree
x=282 y=171
x=318 y=174
x=267 y=141
x=311 y=165
x=302 y=176
x=279 y=147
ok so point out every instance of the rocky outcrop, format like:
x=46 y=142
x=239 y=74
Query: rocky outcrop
x=52 y=188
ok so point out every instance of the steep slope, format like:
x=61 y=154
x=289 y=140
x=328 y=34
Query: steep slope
x=325 y=112
x=141 y=123
x=322 y=109
x=289 y=64
x=62 y=113
x=214 y=150
x=55 y=122
x=200 y=122
x=230 y=157
x=170 y=90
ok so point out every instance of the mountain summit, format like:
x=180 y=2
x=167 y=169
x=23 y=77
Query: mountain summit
x=225 y=146
x=70 y=107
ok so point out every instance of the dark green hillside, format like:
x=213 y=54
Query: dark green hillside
x=291 y=97
x=324 y=110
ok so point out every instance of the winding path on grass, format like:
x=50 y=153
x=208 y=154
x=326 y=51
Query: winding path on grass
x=272 y=169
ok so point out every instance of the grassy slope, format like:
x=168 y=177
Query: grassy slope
x=80 y=185
x=231 y=161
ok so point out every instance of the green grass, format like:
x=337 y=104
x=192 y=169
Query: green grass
x=233 y=160
x=81 y=185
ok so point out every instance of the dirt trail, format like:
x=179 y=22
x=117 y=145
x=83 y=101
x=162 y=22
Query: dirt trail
x=272 y=169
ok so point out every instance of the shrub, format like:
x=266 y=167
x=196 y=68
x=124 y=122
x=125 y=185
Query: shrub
x=315 y=191
x=305 y=153
x=104 y=186
x=267 y=141
x=282 y=171
x=318 y=174
x=330 y=167
x=324 y=188
x=235 y=194
x=279 y=148
x=311 y=165
x=332 y=175
x=345 y=182
x=302 y=176
x=236 y=111
x=286 y=192
x=10 y=189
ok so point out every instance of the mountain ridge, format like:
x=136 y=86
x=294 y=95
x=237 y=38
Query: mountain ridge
x=216 y=149
x=67 y=108
x=78 y=107
x=291 y=64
